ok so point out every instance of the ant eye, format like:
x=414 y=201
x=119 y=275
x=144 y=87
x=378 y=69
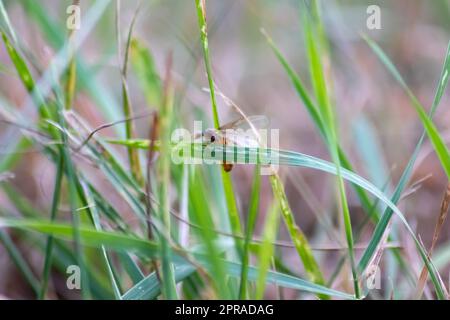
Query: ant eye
x=213 y=138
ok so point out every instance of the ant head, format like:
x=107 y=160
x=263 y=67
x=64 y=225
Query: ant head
x=210 y=136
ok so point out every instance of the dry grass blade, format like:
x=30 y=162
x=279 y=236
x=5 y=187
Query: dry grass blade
x=110 y=124
x=148 y=205
x=72 y=68
x=437 y=231
x=133 y=155
x=415 y=187
x=370 y=274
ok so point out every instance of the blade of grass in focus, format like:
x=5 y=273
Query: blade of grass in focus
x=298 y=238
x=316 y=44
x=297 y=159
x=370 y=210
x=233 y=213
x=246 y=156
x=295 y=232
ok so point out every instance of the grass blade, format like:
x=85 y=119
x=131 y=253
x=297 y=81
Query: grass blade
x=226 y=178
x=54 y=210
x=430 y=130
x=266 y=249
x=251 y=222
x=133 y=155
x=95 y=238
x=315 y=116
x=316 y=46
x=19 y=261
x=437 y=231
x=145 y=69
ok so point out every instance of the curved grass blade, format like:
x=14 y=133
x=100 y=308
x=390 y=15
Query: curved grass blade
x=113 y=277
x=298 y=237
x=298 y=159
x=96 y=238
x=202 y=215
x=283 y=157
x=316 y=43
x=430 y=130
x=148 y=287
x=316 y=117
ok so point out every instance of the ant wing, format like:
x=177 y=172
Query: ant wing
x=238 y=137
x=250 y=122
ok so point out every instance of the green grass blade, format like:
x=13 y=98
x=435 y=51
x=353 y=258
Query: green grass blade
x=95 y=238
x=19 y=261
x=266 y=249
x=148 y=287
x=54 y=210
x=201 y=14
x=6 y=22
x=251 y=223
x=133 y=155
x=315 y=116
x=226 y=178
x=87 y=78
x=299 y=239
x=429 y=129
x=71 y=181
x=168 y=277
x=71 y=72
x=145 y=69
x=87 y=199
x=25 y=75
x=316 y=46
x=202 y=215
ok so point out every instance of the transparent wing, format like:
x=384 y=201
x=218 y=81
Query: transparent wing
x=241 y=132
x=250 y=122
